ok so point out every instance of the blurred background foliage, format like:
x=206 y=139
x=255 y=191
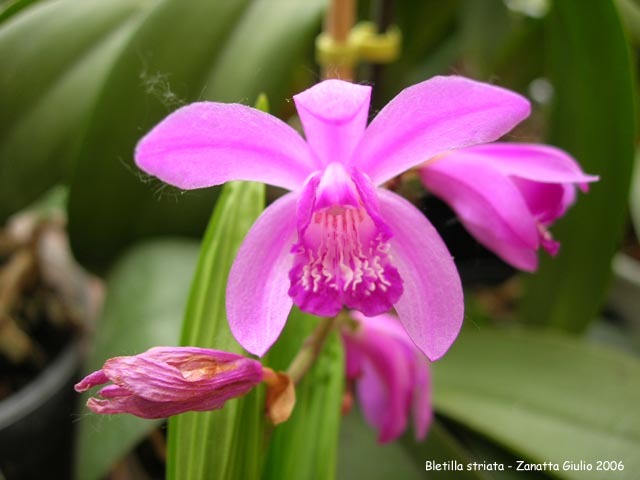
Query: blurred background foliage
x=544 y=370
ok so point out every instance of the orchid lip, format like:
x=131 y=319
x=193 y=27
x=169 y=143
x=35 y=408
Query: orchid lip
x=342 y=257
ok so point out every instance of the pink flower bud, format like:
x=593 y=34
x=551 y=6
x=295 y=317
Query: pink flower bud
x=165 y=381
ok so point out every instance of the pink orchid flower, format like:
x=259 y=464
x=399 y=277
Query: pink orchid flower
x=391 y=375
x=508 y=194
x=165 y=381
x=337 y=239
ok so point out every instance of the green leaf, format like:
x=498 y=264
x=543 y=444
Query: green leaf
x=161 y=67
x=226 y=443
x=48 y=84
x=181 y=52
x=440 y=446
x=484 y=451
x=147 y=292
x=270 y=38
x=305 y=446
x=361 y=456
x=501 y=45
x=11 y=7
x=430 y=44
x=546 y=398
x=593 y=119
x=635 y=196
x=630 y=16
x=481 y=45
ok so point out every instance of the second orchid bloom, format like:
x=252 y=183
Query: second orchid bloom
x=390 y=375
x=341 y=240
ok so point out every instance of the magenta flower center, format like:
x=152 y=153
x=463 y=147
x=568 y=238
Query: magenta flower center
x=342 y=256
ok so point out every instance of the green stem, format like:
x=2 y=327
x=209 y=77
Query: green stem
x=340 y=18
x=310 y=349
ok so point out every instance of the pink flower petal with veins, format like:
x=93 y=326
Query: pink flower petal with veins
x=334 y=115
x=207 y=143
x=432 y=306
x=431 y=117
x=257 y=300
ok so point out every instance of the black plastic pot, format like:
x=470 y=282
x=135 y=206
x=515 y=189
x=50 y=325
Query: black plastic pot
x=36 y=423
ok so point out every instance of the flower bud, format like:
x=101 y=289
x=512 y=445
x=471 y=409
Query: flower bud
x=165 y=381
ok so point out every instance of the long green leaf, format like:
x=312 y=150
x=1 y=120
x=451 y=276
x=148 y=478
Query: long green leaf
x=634 y=196
x=182 y=52
x=162 y=66
x=481 y=45
x=227 y=443
x=546 y=398
x=361 y=456
x=630 y=15
x=147 y=292
x=440 y=446
x=48 y=82
x=10 y=7
x=593 y=118
x=270 y=37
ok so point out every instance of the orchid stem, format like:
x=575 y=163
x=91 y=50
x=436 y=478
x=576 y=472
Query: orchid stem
x=338 y=24
x=311 y=349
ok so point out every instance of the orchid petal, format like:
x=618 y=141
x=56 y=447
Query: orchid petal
x=431 y=117
x=353 y=357
x=568 y=197
x=144 y=408
x=114 y=391
x=489 y=205
x=157 y=381
x=334 y=116
x=93 y=379
x=431 y=307
x=257 y=291
x=385 y=386
x=374 y=396
x=381 y=406
x=392 y=375
x=385 y=323
x=306 y=203
x=154 y=381
x=179 y=356
x=546 y=201
x=422 y=410
x=207 y=143
x=538 y=163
